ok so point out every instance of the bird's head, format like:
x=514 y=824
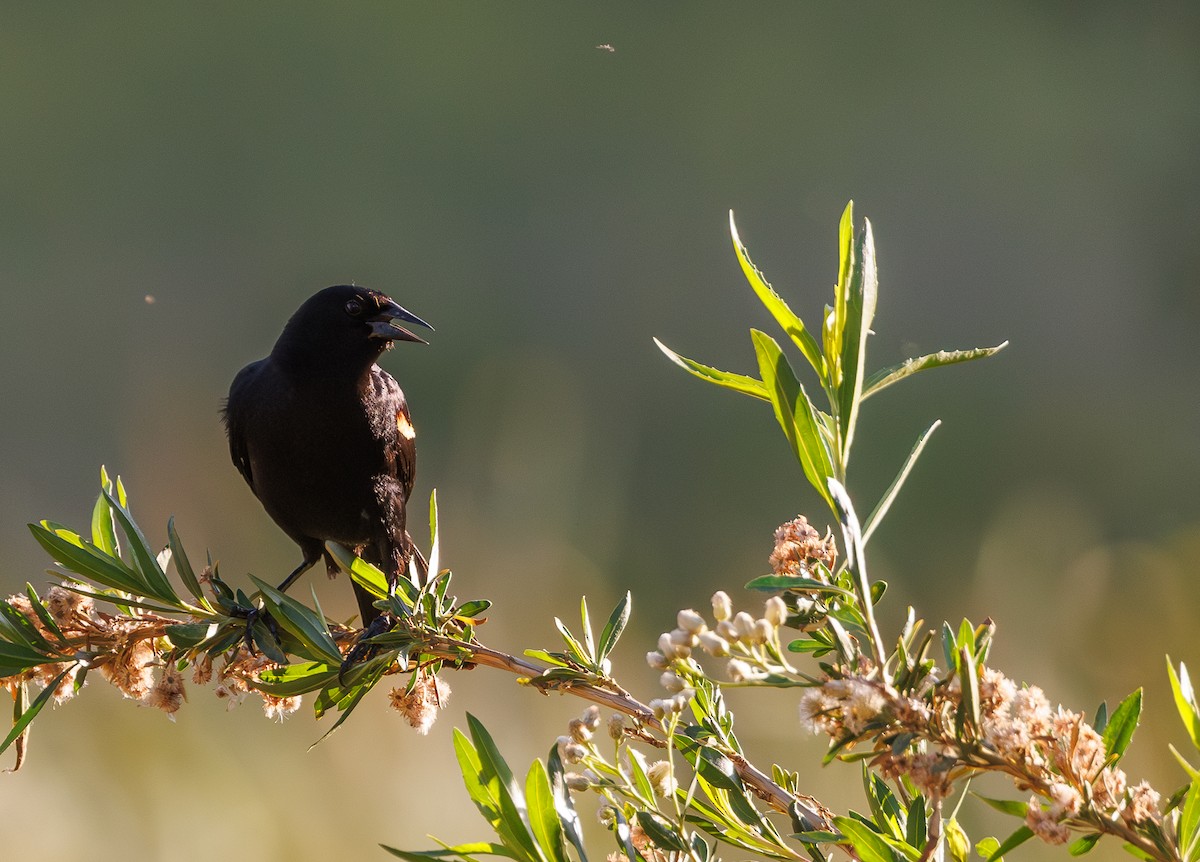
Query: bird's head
x=346 y=321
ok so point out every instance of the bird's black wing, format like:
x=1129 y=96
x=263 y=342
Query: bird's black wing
x=236 y=405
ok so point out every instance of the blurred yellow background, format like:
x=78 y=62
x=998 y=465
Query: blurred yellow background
x=177 y=178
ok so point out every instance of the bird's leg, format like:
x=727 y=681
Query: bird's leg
x=255 y=614
x=310 y=560
x=362 y=649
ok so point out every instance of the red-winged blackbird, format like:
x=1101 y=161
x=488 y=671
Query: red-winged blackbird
x=323 y=435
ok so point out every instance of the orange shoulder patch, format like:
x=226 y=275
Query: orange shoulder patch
x=406 y=429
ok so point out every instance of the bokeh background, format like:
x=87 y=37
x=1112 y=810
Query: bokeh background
x=175 y=179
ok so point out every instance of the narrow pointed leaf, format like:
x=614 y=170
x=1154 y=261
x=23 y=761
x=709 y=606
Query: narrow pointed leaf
x=835 y=316
x=885 y=502
x=861 y=293
x=21 y=724
x=183 y=565
x=543 y=818
x=1012 y=842
x=299 y=621
x=435 y=555
x=614 y=627
x=783 y=315
x=42 y=611
x=145 y=561
x=460 y=851
x=795 y=413
x=737 y=382
x=568 y=817
x=1124 y=721
x=85 y=559
x=884 y=378
x=1185 y=700
x=104 y=535
x=510 y=800
x=868 y=843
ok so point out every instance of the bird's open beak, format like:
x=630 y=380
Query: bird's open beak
x=383 y=324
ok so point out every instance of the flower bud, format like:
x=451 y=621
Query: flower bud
x=775 y=611
x=690 y=621
x=738 y=670
x=666 y=646
x=580 y=732
x=727 y=630
x=573 y=752
x=656 y=660
x=722 y=606
x=575 y=781
x=682 y=638
x=714 y=644
x=616 y=725
x=658 y=706
x=591 y=717
x=744 y=623
x=671 y=682
x=607 y=815
x=762 y=631
x=680 y=701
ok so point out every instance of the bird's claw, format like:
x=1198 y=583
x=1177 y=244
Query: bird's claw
x=253 y=615
x=362 y=649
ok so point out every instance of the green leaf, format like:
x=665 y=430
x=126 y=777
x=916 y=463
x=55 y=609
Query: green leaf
x=775 y=583
x=885 y=502
x=184 y=566
x=1101 y=720
x=957 y=842
x=1189 y=822
x=835 y=317
x=985 y=847
x=42 y=612
x=1185 y=700
x=916 y=823
x=354 y=694
x=507 y=798
x=299 y=621
x=472 y=609
x=1006 y=806
x=22 y=723
x=860 y=297
x=661 y=832
x=187 y=635
x=1019 y=837
x=1124 y=721
x=586 y=625
x=461 y=851
x=543 y=816
x=783 y=315
x=795 y=413
x=868 y=843
x=367 y=576
x=884 y=378
x=568 y=817
x=145 y=561
x=21 y=629
x=574 y=647
x=751 y=386
x=1083 y=844
x=83 y=558
x=1192 y=771
x=615 y=626
x=16 y=658
x=104 y=534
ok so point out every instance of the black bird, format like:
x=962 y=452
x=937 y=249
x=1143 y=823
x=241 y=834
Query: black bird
x=323 y=435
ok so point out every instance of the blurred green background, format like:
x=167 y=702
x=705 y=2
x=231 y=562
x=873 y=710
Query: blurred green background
x=1031 y=173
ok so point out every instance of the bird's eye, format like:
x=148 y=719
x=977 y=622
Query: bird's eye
x=354 y=308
